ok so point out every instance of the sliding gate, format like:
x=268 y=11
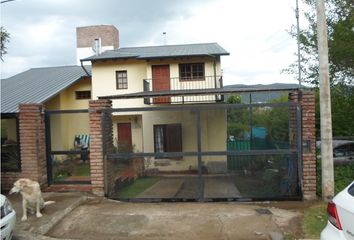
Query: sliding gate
x=203 y=152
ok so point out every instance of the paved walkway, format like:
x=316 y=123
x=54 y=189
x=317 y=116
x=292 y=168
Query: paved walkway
x=220 y=188
x=165 y=188
x=187 y=187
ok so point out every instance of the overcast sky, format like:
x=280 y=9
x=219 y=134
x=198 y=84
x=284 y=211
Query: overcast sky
x=254 y=32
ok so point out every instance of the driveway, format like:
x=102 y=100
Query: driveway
x=98 y=218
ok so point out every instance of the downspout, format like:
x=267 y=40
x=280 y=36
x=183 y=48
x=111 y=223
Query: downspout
x=83 y=67
x=214 y=66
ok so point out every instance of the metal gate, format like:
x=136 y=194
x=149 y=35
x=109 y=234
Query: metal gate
x=227 y=152
x=67 y=146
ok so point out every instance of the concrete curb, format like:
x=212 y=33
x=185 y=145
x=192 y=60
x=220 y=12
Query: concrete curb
x=58 y=217
x=44 y=229
x=25 y=235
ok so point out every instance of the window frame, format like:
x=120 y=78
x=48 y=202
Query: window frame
x=191 y=71
x=86 y=94
x=18 y=145
x=121 y=81
x=165 y=136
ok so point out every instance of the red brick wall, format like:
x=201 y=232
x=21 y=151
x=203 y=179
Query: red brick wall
x=96 y=145
x=7 y=180
x=307 y=100
x=32 y=142
x=85 y=36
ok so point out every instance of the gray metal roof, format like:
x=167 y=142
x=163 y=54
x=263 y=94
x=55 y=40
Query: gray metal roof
x=164 y=51
x=37 y=85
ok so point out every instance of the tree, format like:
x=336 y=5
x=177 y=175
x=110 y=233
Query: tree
x=340 y=21
x=5 y=36
x=342 y=101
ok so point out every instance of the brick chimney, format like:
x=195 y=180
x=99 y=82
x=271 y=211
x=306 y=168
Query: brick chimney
x=91 y=40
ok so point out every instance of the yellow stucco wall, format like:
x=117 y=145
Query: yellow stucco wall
x=104 y=77
x=9 y=129
x=213 y=135
x=65 y=126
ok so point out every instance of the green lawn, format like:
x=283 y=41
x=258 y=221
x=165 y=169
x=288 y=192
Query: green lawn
x=315 y=220
x=137 y=187
x=82 y=170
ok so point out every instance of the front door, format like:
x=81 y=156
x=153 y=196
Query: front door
x=161 y=81
x=125 y=137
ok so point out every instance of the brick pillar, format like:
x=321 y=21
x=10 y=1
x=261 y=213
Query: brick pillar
x=96 y=144
x=32 y=143
x=307 y=101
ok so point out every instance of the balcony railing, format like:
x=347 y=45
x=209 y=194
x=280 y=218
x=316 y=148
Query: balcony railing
x=207 y=82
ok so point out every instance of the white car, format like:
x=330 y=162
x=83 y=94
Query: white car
x=8 y=218
x=340 y=211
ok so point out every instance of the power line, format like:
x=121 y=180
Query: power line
x=5 y=1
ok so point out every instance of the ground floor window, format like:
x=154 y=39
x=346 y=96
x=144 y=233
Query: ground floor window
x=168 y=138
x=10 y=153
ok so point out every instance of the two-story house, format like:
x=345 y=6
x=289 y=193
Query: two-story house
x=170 y=70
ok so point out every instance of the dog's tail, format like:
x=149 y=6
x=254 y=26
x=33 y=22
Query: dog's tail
x=48 y=203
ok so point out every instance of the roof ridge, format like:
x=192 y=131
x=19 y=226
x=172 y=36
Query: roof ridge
x=62 y=66
x=172 y=45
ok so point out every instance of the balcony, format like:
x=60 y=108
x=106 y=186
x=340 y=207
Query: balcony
x=181 y=86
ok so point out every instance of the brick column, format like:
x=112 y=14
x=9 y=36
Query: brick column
x=32 y=143
x=307 y=101
x=96 y=144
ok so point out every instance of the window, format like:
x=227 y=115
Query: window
x=10 y=149
x=122 y=79
x=83 y=95
x=168 y=138
x=191 y=71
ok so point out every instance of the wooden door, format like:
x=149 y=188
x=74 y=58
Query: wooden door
x=125 y=143
x=161 y=81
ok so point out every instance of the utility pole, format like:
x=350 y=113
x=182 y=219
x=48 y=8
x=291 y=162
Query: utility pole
x=325 y=104
x=298 y=41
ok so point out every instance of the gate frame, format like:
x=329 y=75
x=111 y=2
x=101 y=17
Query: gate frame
x=197 y=108
x=50 y=152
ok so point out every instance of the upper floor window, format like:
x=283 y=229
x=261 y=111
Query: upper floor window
x=122 y=79
x=191 y=71
x=82 y=95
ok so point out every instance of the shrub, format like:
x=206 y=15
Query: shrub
x=343 y=175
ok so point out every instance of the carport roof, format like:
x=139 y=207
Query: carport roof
x=196 y=92
x=164 y=51
x=37 y=85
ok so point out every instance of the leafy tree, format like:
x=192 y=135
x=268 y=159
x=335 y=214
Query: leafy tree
x=340 y=21
x=5 y=36
x=238 y=119
x=275 y=120
x=342 y=102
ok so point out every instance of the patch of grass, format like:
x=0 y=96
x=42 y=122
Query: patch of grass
x=83 y=170
x=315 y=220
x=289 y=236
x=137 y=187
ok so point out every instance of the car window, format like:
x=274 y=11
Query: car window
x=344 y=150
x=351 y=190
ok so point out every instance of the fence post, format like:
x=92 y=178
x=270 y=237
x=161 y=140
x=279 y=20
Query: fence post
x=96 y=144
x=32 y=143
x=308 y=134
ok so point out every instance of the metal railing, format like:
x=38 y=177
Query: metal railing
x=176 y=83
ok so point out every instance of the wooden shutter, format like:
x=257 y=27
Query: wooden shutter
x=173 y=138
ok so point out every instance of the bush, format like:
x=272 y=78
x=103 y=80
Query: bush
x=343 y=175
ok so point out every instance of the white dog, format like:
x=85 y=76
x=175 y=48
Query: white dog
x=32 y=199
